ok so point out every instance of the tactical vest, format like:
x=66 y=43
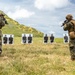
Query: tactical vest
x=72 y=30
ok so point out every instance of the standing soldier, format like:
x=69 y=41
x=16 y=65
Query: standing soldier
x=69 y=25
x=2 y=23
x=0 y=41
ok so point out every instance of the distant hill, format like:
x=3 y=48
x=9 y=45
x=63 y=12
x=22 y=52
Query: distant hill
x=17 y=29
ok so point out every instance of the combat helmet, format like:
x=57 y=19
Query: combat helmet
x=69 y=17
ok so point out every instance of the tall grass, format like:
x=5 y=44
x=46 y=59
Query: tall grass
x=36 y=58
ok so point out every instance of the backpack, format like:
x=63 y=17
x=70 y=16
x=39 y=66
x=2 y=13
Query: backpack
x=72 y=33
x=2 y=22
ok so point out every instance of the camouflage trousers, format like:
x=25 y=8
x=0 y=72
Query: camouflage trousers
x=0 y=41
x=72 y=48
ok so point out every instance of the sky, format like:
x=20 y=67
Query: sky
x=46 y=16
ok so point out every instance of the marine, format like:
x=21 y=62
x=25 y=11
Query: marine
x=2 y=24
x=70 y=27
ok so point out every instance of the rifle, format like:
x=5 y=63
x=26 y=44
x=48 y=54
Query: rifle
x=66 y=21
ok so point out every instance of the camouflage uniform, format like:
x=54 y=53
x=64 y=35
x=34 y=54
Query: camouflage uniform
x=69 y=26
x=0 y=41
x=1 y=25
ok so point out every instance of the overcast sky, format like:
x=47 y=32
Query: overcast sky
x=44 y=15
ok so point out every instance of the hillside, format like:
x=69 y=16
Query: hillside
x=17 y=29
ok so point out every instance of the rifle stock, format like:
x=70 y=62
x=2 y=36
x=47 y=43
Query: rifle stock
x=66 y=21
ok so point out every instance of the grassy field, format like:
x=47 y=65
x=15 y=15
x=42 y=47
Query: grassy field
x=36 y=58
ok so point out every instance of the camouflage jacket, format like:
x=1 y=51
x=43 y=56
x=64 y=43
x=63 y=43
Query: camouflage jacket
x=2 y=22
x=70 y=27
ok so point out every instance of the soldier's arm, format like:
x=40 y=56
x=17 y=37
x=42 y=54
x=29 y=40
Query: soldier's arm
x=67 y=26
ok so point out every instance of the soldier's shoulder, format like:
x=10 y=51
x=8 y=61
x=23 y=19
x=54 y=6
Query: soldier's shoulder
x=72 y=21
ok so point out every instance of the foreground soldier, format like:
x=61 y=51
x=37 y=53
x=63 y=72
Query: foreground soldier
x=70 y=27
x=2 y=23
x=0 y=41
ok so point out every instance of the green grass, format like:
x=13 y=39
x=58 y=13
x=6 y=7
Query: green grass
x=17 y=29
x=36 y=58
